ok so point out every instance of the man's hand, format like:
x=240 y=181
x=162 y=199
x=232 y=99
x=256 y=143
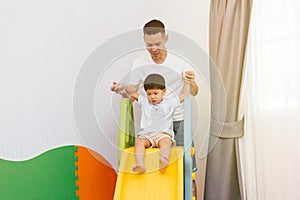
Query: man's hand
x=131 y=89
x=189 y=78
x=114 y=87
x=132 y=92
x=126 y=91
x=119 y=88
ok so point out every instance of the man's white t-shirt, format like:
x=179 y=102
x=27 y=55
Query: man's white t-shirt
x=172 y=70
x=158 y=118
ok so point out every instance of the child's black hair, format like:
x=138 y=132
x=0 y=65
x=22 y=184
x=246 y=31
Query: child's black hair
x=154 y=81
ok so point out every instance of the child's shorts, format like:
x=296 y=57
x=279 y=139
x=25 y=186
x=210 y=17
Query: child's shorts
x=155 y=137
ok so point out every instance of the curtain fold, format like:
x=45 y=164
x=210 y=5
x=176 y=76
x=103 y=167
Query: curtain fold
x=229 y=22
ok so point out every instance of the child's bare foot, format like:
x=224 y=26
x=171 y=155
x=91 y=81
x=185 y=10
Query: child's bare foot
x=163 y=163
x=139 y=168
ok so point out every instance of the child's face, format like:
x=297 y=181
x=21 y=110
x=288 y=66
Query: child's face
x=155 y=96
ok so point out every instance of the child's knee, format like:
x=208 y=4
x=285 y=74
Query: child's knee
x=163 y=142
x=142 y=142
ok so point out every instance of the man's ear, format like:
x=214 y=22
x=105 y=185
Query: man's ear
x=166 y=38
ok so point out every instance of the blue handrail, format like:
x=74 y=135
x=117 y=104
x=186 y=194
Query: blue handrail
x=187 y=148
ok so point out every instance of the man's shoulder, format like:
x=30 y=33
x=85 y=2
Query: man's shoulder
x=174 y=58
x=142 y=60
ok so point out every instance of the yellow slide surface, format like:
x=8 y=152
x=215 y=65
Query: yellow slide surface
x=153 y=184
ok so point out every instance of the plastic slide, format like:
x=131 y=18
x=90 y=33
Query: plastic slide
x=153 y=184
x=126 y=126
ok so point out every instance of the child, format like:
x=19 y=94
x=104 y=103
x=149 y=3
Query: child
x=156 y=120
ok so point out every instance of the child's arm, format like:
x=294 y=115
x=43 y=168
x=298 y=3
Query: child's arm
x=119 y=88
x=123 y=89
x=134 y=95
x=190 y=86
x=184 y=91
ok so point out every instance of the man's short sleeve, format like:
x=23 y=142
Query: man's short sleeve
x=134 y=77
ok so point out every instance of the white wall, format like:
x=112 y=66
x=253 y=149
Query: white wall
x=43 y=46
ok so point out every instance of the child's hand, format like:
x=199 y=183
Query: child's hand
x=119 y=88
x=114 y=87
x=189 y=77
x=124 y=90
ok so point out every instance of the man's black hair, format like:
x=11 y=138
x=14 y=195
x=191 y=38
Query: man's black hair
x=154 y=26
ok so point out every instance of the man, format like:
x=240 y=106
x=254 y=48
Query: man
x=159 y=60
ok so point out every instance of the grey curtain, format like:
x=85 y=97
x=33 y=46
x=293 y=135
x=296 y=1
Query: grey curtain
x=228 y=32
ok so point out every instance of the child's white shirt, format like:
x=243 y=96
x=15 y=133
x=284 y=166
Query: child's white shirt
x=158 y=117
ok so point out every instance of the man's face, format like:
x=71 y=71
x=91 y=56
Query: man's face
x=156 y=44
x=155 y=96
